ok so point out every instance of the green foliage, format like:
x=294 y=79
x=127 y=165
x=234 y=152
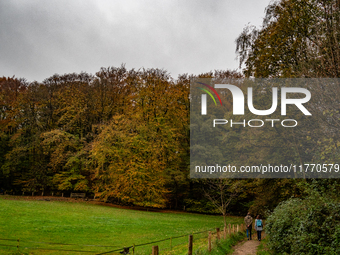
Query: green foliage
x=202 y=206
x=262 y=249
x=271 y=192
x=305 y=226
x=297 y=39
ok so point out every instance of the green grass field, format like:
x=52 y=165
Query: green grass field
x=88 y=226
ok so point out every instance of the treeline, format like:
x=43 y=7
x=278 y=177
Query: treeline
x=122 y=135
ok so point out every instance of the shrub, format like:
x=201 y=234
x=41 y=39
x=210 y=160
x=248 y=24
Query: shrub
x=305 y=226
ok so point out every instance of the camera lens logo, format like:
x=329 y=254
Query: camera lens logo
x=204 y=97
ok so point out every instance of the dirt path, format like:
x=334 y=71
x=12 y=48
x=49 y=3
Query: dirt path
x=246 y=248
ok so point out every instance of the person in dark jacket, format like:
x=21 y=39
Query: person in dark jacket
x=248 y=220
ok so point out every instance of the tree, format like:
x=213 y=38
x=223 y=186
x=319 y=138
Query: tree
x=138 y=155
x=221 y=192
x=67 y=160
x=297 y=39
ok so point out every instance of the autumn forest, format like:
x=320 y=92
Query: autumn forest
x=124 y=135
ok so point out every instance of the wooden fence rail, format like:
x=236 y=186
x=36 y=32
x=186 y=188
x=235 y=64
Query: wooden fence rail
x=232 y=229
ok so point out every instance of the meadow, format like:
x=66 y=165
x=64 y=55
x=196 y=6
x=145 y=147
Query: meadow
x=42 y=226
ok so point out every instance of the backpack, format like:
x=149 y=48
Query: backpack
x=259 y=223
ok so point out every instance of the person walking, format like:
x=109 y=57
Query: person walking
x=248 y=220
x=258 y=227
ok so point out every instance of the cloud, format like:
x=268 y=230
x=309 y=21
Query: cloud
x=40 y=38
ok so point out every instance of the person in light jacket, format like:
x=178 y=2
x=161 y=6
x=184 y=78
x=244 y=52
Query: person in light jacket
x=258 y=227
x=248 y=220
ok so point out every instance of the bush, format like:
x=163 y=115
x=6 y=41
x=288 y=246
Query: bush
x=305 y=226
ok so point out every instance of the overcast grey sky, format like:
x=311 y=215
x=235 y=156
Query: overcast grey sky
x=39 y=38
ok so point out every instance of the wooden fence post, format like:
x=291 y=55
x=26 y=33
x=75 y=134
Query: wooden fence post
x=209 y=242
x=233 y=229
x=155 y=250
x=225 y=232
x=190 y=245
x=218 y=233
x=237 y=228
x=229 y=230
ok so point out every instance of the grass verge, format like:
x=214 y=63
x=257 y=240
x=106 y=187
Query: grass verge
x=262 y=248
x=200 y=246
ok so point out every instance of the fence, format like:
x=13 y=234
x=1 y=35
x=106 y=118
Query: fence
x=208 y=237
x=203 y=240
